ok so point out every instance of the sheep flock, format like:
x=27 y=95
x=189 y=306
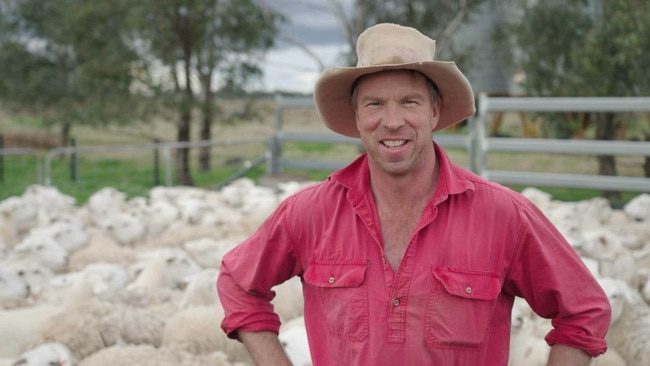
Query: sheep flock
x=131 y=281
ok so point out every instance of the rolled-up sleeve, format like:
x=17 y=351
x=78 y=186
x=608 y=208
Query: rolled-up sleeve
x=550 y=275
x=249 y=272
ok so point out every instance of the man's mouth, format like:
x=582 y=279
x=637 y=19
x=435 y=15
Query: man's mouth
x=393 y=143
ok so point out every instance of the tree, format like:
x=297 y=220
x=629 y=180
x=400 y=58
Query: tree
x=193 y=42
x=581 y=48
x=60 y=60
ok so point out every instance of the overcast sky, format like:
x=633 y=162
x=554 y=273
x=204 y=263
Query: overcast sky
x=289 y=68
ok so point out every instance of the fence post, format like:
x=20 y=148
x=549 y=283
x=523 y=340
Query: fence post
x=156 y=163
x=73 y=159
x=2 y=158
x=481 y=134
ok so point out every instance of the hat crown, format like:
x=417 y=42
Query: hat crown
x=392 y=44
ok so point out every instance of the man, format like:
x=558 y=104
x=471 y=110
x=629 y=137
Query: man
x=405 y=258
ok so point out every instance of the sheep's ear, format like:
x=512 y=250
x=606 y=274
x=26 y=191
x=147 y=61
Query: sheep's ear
x=20 y=362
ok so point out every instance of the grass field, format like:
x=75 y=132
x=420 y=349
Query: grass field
x=135 y=172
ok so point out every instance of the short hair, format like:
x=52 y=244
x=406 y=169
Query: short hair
x=431 y=86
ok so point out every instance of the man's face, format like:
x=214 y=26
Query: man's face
x=395 y=118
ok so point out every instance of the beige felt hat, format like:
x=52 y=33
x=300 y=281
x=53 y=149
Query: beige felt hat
x=391 y=47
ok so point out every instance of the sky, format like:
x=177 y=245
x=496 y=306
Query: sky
x=287 y=67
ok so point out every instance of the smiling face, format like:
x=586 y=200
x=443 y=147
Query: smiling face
x=395 y=116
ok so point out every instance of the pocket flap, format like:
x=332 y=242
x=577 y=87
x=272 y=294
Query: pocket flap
x=336 y=273
x=469 y=284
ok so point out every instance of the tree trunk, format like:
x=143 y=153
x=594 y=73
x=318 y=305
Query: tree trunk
x=646 y=166
x=183 y=176
x=206 y=126
x=606 y=130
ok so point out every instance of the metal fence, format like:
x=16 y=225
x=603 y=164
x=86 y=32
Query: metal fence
x=479 y=145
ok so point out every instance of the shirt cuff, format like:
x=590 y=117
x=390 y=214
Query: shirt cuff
x=594 y=346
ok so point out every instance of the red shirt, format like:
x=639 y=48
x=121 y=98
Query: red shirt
x=476 y=247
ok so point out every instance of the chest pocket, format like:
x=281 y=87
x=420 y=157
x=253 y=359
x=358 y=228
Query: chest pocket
x=342 y=295
x=460 y=307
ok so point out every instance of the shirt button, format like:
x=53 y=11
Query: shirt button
x=468 y=290
x=396 y=302
x=331 y=279
x=383 y=260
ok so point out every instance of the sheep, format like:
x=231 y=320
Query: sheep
x=200 y=289
x=19 y=325
x=105 y=281
x=196 y=330
x=527 y=345
x=628 y=332
x=128 y=229
x=50 y=201
x=158 y=216
x=34 y=274
x=105 y=203
x=288 y=302
x=47 y=354
x=638 y=208
x=147 y=355
x=20 y=215
x=70 y=236
x=13 y=288
x=165 y=268
x=41 y=249
x=293 y=338
x=102 y=248
x=207 y=252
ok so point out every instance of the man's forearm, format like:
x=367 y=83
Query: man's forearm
x=264 y=348
x=561 y=355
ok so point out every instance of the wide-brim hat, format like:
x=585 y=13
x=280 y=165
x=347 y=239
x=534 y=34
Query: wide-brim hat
x=392 y=47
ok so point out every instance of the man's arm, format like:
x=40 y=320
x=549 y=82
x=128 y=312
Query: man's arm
x=562 y=355
x=264 y=348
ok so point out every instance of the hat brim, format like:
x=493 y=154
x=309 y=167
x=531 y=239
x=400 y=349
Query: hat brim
x=334 y=88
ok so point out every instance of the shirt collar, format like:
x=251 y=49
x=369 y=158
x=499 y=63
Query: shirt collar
x=452 y=179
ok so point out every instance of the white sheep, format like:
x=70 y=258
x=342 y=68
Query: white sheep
x=159 y=215
x=19 y=325
x=207 y=252
x=164 y=268
x=102 y=248
x=527 y=344
x=105 y=281
x=33 y=273
x=200 y=289
x=293 y=338
x=13 y=288
x=288 y=302
x=147 y=355
x=70 y=236
x=41 y=249
x=18 y=213
x=48 y=354
x=638 y=208
x=628 y=332
x=50 y=202
x=105 y=203
x=196 y=330
x=126 y=228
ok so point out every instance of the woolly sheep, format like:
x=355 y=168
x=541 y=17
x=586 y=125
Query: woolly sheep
x=127 y=229
x=49 y=354
x=147 y=355
x=105 y=203
x=165 y=268
x=102 y=248
x=638 y=208
x=628 y=332
x=13 y=288
x=50 y=202
x=70 y=236
x=41 y=249
x=200 y=289
x=19 y=325
x=288 y=302
x=293 y=338
x=34 y=274
x=207 y=252
x=19 y=213
x=105 y=281
x=196 y=330
x=159 y=215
